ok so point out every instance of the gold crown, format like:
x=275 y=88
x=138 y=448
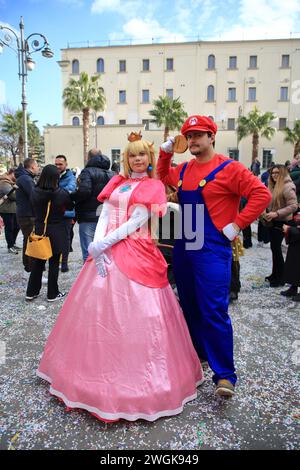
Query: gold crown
x=133 y=136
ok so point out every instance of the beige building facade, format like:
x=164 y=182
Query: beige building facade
x=219 y=79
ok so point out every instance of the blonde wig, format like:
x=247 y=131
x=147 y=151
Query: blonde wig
x=135 y=148
x=276 y=187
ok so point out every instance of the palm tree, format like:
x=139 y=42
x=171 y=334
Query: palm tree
x=81 y=96
x=35 y=142
x=168 y=112
x=256 y=124
x=293 y=136
x=11 y=134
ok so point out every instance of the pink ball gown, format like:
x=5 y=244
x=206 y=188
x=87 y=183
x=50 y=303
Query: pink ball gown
x=120 y=347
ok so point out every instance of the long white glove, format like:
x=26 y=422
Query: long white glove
x=100 y=262
x=168 y=145
x=102 y=221
x=139 y=216
x=100 y=231
x=230 y=232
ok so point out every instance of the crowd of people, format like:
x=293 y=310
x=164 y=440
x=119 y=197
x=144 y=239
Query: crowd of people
x=279 y=221
x=124 y=346
x=26 y=192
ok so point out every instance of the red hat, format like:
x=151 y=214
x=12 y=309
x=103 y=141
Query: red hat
x=199 y=123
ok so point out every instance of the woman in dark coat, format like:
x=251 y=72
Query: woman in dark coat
x=8 y=210
x=292 y=262
x=279 y=212
x=47 y=190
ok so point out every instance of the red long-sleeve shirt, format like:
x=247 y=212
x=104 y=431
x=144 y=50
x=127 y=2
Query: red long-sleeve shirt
x=222 y=195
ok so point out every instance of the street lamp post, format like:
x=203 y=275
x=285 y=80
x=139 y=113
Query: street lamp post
x=24 y=50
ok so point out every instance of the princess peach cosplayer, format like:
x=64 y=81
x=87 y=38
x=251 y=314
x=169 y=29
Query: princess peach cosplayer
x=120 y=347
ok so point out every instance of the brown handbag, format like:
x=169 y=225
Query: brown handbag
x=39 y=246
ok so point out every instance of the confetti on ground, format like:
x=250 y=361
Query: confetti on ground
x=13 y=441
x=263 y=414
x=200 y=433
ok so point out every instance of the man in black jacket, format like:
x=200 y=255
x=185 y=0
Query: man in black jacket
x=92 y=180
x=25 y=217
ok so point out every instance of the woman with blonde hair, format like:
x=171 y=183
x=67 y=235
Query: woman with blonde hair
x=120 y=348
x=280 y=210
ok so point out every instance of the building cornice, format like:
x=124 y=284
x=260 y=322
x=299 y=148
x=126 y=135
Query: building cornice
x=195 y=43
x=63 y=63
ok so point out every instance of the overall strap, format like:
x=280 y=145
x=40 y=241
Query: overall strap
x=212 y=175
x=179 y=184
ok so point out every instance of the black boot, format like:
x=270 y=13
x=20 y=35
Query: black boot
x=233 y=296
x=290 y=292
x=277 y=284
x=296 y=298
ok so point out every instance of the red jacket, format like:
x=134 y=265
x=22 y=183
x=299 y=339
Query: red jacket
x=222 y=195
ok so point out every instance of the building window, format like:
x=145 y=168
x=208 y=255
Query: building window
x=267 y=158
x=170 y=64
x=231 y=124
x=253 y=62
x=233 y=62
x=146 y=123
x=251 y=94
x=282 y=123
x=100 y=66
x=122 y=96
x=145 y=96
x=100 y=121
x=146 y=65
x=122 y=65
x=122 y=122
x=285 y=61
x=115 y=156
x=284 y=93
x=210 y=93
x=170 y=93
x=234 y=153
x=231 y=94
x=75 y=121
x=75 y=66
x=211 y=62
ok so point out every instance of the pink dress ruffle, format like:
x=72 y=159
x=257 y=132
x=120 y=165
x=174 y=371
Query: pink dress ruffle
x=120 y=349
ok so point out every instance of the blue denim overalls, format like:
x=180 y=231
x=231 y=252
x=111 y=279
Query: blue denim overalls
x=203 y=283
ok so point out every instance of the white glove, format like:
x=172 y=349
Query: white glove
x=230 y=232
x=95 y=249
x=168 y=145
x=102 y=221
x=139 y=216
x=100 y=262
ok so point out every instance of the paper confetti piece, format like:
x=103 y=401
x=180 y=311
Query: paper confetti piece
x=13 y=440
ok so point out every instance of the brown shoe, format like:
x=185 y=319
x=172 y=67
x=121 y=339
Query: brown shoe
x=225 y=388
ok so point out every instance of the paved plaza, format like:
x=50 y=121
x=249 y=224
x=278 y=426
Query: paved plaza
x=264 y=414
